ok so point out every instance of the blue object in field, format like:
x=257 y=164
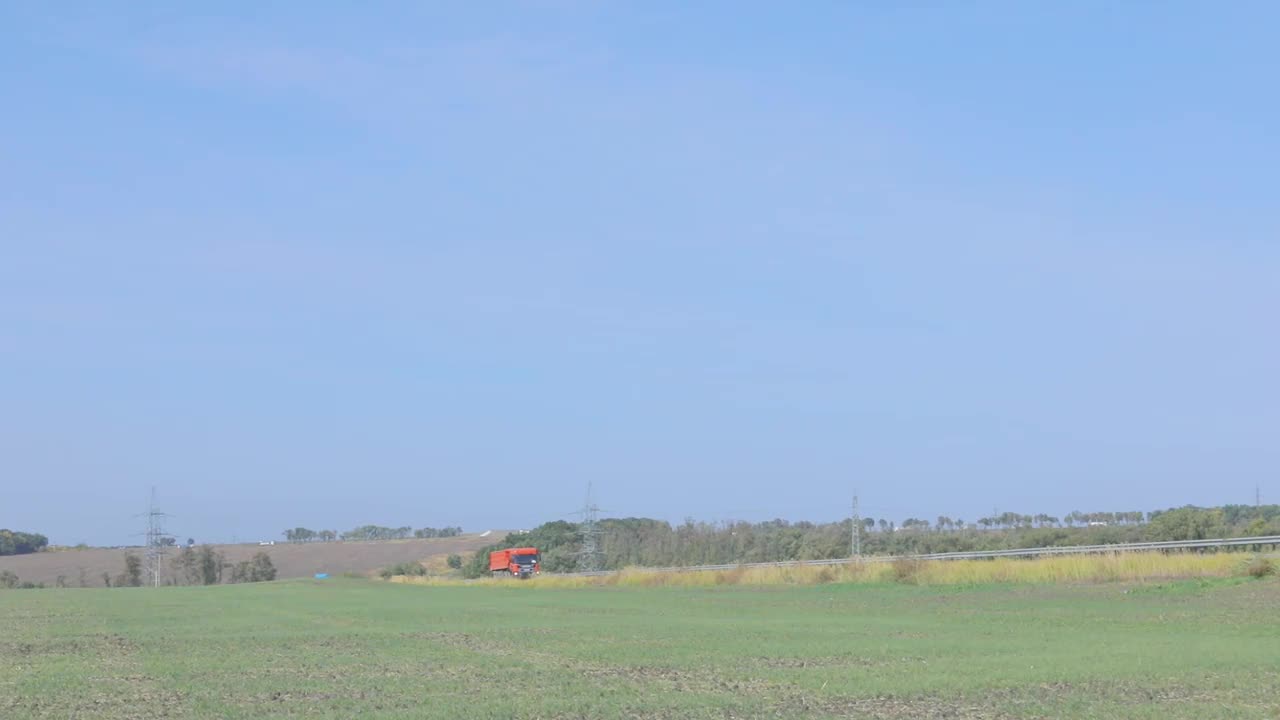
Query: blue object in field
x=322 y=576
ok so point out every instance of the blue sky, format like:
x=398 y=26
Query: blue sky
x=299 y=265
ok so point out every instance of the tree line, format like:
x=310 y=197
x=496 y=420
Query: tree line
x=368 y=532
x=304 y=535
x=9 y=580
x=197 y=566
x=191 y=566
x=657 y=543
x=206 y=566
x=13 y=542
x=1012 y=520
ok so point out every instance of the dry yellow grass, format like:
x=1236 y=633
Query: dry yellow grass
x=1113 y=567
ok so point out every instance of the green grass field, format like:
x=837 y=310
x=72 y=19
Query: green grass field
x=348 y=649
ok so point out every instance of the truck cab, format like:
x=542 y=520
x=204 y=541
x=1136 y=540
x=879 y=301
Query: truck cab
x=521 y=563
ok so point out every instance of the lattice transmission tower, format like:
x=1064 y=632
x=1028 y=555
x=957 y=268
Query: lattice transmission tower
x=158 y=540
x=591 y=553
x=855 y=544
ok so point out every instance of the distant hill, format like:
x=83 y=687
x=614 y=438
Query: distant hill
x=290 y=559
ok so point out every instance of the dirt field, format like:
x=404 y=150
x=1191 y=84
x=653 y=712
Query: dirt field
x=291 y=560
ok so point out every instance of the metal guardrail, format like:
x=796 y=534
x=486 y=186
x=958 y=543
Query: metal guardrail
x=978 y=554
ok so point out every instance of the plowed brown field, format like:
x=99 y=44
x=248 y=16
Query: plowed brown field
x=290 y=560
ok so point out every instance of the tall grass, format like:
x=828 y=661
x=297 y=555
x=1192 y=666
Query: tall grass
x=1112 y=567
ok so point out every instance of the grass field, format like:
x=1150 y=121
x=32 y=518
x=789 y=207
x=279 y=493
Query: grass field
x=350 y=648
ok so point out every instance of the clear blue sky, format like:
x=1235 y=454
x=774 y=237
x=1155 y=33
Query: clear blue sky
x=392 y=264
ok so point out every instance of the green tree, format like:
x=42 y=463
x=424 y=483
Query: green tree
x=455 y=562
x=262 y=569
x=13 y=542
x=259 y=569
x=1185 y=523
x=300 y=535
x=132 y=570
x=209 y=565
x=186 y=567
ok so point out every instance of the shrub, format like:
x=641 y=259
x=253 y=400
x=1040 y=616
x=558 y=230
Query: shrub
x=478 y=565
x=455 y=562
x=404 y=568
x=906 y=570
x=731 y=577
x=1260 y=567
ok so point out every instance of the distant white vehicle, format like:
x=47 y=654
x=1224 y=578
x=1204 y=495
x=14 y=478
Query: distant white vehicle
x=267 y=542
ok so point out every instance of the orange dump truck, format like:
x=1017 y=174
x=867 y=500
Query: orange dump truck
x=516 y=562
